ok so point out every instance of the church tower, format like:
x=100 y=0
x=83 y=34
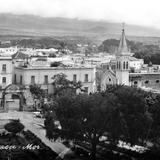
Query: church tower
x=122 y=61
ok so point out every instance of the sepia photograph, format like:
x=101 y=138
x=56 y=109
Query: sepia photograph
x=79 y=80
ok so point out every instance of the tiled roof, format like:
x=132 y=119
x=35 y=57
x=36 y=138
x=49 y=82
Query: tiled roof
x=19 y=55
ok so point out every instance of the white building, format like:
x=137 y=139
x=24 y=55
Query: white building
x=8 y=51
x=42 y=74
x=135 y=63
x=5 y=71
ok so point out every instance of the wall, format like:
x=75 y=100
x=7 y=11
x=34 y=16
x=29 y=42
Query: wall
x=122 y=77
x=150 y=80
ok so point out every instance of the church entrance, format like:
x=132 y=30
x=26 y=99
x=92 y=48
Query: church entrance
x=13 y=98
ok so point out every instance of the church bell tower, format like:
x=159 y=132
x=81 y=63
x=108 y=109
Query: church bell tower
x=122 y=61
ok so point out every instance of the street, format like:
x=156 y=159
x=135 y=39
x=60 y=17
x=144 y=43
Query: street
x=35 y=126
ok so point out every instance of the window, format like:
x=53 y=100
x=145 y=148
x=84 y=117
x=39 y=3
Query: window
x=3 y=79
x=21 y=79
x=119 y=65
x=45 y=79
x=135 y=82
x=124 y=65
x=4 y=67
x=86 y=78
x=146 y=82
x=32 y=79
x=15 y=78
x=74 y=77
x=86 y=89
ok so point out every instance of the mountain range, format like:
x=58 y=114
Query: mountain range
x=30 y=25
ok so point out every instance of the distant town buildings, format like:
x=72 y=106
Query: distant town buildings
x=27 y=66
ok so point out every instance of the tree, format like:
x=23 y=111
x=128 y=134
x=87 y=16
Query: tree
x=154 y=108
x=133 y=117
x=119 y=113
x=38 y=95
x=56 y=64
x=36 y=91
x=14 y=127
x=49 y=125
x=83 y=118
x=109 y=45
x=64 y=86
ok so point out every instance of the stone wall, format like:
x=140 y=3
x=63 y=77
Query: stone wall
x=145 y=80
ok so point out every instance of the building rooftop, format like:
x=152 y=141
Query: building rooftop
x=144 y=73
x=52 y=68
x=5 y=58
x=19 y=55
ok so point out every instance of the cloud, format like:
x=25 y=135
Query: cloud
x=140 y=12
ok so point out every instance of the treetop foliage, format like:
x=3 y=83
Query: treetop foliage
x=119 y=113
x=64 y=86
x=14 y=127
x=36 y=91
x=148 y=52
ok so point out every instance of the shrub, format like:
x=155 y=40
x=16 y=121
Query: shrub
x=14 y=127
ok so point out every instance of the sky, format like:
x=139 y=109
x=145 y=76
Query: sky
x=137 y=12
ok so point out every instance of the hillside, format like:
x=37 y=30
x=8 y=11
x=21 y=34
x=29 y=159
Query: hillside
x=29 y=25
